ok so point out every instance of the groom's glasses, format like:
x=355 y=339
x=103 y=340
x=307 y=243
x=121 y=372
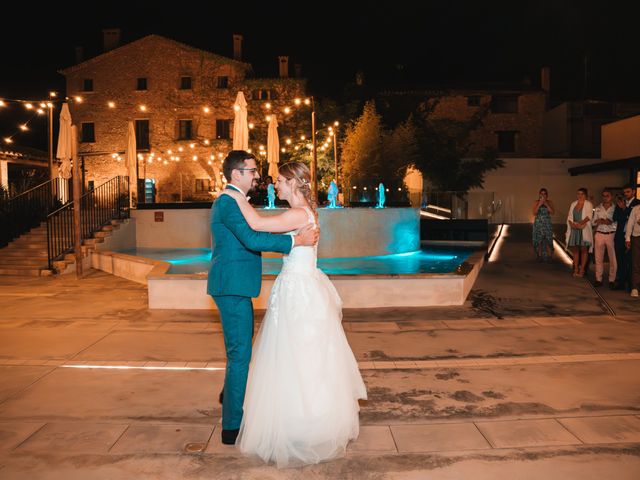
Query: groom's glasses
x=252 y=170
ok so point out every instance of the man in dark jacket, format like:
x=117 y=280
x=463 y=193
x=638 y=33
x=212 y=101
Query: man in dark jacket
x=624 y=205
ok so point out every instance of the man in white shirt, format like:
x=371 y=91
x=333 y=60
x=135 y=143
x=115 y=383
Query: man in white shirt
x=605 y=230
x=632 y=241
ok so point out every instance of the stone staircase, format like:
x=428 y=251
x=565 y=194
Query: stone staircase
x=27 y=255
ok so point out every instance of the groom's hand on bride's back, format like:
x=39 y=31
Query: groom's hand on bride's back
x=307 y=236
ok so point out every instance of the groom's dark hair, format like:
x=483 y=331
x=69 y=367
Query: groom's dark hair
x=234 y=160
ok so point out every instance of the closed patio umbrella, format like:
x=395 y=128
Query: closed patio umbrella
x=273 y=148
x=240 y=125
x=131 y=160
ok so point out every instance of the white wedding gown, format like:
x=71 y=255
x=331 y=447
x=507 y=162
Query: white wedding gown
x=301 y=404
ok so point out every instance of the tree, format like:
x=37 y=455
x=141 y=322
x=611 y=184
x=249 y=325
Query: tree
x=444 y=147
x=372 y=154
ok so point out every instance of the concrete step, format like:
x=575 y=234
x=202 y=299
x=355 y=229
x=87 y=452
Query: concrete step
x=92 y=241
x=30 y=272
x=18 y=252
x=32 y=246
x=23 y=261
x=102 y=234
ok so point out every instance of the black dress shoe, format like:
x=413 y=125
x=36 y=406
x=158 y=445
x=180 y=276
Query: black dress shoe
x=597 y=283
x=221 y=397
x=229 y=436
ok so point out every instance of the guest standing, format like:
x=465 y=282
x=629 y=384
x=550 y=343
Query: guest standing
x=605 y=229
x=632 y=241
x=623 y=255
x=579 y=236
x=542 y=231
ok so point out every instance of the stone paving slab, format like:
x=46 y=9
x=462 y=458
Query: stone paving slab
x=13 y=434
x=374 y=439
x=604 y=429
x=438 y=438
x=161 y=438
x=526 y=433
x=73 y=438
x=119 y=395
x=16 y=377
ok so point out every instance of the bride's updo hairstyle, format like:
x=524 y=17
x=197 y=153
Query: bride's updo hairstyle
x=302 y=176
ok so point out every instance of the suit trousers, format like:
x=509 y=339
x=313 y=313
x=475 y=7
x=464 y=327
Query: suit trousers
x=237 y=327
x=602 y=241
x=635 y=262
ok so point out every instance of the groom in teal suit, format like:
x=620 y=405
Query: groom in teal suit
x=235 y=277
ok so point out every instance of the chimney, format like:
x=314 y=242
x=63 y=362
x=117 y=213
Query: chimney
x=545 y=79
x=237 y=47
x=111 y=38
x=283 y=61
x=79 y=54
x=298 y=70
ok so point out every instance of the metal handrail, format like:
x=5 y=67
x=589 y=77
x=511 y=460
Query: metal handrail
x=27 y=210
x=98 y=206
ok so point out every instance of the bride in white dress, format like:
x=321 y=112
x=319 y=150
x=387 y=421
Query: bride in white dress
x=301 y=403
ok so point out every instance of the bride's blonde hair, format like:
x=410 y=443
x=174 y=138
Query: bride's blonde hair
x=302 y=176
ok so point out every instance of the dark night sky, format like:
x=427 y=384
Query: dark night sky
x=396 y=42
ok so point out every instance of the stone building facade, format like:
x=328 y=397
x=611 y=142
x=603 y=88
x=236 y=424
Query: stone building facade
x=181 y=99
x=512 y=118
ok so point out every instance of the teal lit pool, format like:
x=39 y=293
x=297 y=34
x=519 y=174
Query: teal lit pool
x=428 y=260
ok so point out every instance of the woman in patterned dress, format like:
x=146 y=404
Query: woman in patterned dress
x=542 y=232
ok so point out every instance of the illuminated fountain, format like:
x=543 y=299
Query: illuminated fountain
x=373 y=256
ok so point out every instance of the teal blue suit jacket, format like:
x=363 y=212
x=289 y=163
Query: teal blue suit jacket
x=236 y=263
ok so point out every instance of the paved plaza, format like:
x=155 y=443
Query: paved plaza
x=536 y=376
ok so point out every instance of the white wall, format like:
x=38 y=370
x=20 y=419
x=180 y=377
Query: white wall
x=518 y=183
x=180 y=228
x=621 y=139
x=346 y=232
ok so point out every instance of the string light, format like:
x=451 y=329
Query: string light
x=2 y=104
x=111 y=104
x=28 y=106
x=206 y=109
x=143 y=108
x=78 y=99
x=8 y=140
